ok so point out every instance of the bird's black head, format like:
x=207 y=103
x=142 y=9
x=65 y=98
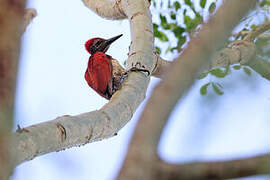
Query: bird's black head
x=99 y=45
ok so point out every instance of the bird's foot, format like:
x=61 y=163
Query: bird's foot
x=138 y=67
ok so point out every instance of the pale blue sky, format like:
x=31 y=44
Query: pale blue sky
x=51 y=84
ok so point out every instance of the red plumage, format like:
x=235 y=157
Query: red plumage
x=104 y=74
x=90 y=42
x=99 y=74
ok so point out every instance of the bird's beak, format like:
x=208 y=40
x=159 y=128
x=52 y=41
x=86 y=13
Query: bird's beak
x=106 y=43
x=111 y=40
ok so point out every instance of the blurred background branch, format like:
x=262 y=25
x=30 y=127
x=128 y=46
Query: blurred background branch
x=45 y=93
x=141 y=160
x=11 y=19
x=244 y=167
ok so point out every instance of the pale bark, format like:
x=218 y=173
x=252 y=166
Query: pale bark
x=11 y=13
x=69 y=131
x=161 y=66
x=259 y=30
x=106 y=8
x=143 y=164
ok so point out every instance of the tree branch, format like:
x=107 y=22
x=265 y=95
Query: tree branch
x=161 y=66
x=68 y=131
x=106 y=8
x=29 y=15
x=259 y=30
x=142 y=164
x=257 y=165
x=261 y=66
x=240 y=51
x=11 y=13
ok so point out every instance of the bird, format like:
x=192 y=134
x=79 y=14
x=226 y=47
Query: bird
x=104 y=74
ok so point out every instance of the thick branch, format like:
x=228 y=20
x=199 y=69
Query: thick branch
x=176 y=82
x=257 y=165
x=106 y=8
x=11 y=13
x=161 y=66
x=69 y=131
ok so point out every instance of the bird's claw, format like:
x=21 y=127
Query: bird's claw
x=140 y=68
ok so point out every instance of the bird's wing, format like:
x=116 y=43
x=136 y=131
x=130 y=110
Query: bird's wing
x=99 y=74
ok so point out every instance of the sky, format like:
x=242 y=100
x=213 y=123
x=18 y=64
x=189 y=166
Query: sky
x=51 y=84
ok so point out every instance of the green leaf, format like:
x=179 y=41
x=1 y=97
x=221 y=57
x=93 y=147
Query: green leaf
x=253 y=26
x=169 y=49
x=160 y=35
x=155 y=26
x=158 y=50
x=217 y=89
x=265 y=2
x=164 y=22
x=212 y=7
x=203 y=89
x=176 y=5
x=178 y=31
x=163 y=19
x=172 y=49
x=189 y=3
x=219 y=73
x=187 y=19
x=237 y=67
x=181 y=41
x=192 y=23
x=202 y=3
x=173 y=15
x=156 y=31
x=203 y=75
x=198 y=19
x=163 y=37
x=247 y=71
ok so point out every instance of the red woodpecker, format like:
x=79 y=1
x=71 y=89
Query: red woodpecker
x=104 y=74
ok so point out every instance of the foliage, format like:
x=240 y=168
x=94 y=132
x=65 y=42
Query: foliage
x=176 y=21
